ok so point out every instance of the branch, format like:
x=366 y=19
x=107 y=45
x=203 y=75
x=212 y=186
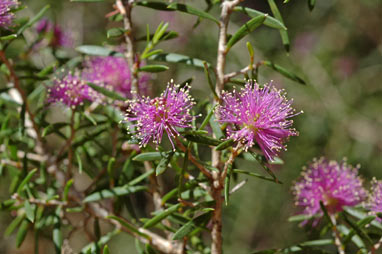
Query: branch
x=228 y=76
x=124 y=8
x=227 y=7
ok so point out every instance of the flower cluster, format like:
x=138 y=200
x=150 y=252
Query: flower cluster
x=375 y=199
x=258 y=115
x=71 y=91
x=164 y=113
x=6 y=16
x=56 y=36
x=112 y=72
x=334 y=184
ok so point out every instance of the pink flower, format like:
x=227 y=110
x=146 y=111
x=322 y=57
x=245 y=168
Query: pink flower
x=6 y=17
x=57 y=37
x=335 y=184
x=258 y=115
x=167 y=112
x=71 y=91
x=112 y=72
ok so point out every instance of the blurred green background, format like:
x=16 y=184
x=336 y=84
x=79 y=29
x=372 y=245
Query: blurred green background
x=337 y=48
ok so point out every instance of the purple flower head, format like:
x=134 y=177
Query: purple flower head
x=335 y=184
x=57 y=37
x=164 y=113
x=258 y=115
x=113 y=72
x=71 y=91
x=375 y=199
x=6 y=16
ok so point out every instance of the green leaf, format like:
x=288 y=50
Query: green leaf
x=166 y=36
x=114 y=192
x=106 y=92
x=178 y=58
x=127 y=225
x=22 y=233
x=311 y=4
x=187 y=228
x=57 y=234
x=224 y=145
x=162 y=166
x=209 y=81
x=8 y=37
x=150 y=156
x=262 y=161
x=68 y=184
x=115 y=32
x=269 y=21
x=141 y=177
x=153 y=68
x=32 y=21
x=14 y=224
x=26 y=180
x=361 y=215
x=79 y=161
x=227 y=182
x=154 y=5
x=299 y=217
x=106 y=250
x=192 y=11
x=203 y=139
x=92 y=247
x=161 y=216
x=283 y=33
x=110 y=166
x=239 y=171
x=247 y=28
x=216 y=127
x=29 y=210
x=284 y=72
x=51 y=128
x=95 y=50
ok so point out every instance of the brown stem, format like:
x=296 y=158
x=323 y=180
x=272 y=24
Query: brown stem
x=125 y=8
x=228 y=76
x=39 y=146
x=193 y=159
x=69 y=145
x=227 y=7
x=336 y=235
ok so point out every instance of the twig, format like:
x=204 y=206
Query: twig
x=41 y=202
x=228 y=76
x=194 y=160
x=227 y=7
x=124 y=8
x=336 y=235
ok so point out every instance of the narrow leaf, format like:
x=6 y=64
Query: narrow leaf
x=114 y=192
x=29 y=210
x=283 y=33
x=128 y=226
x=150 y=156
x=284 y=72
x=22 y=233
x=269 y=21
x=95 y=50
x=14 y=224
x=26 y=180
x=247 y=28
x=192 y=11
x=153 y=68
x=224 y=145
x=178 y=58
x=162 y=166
x=161 y=215
x=256 y=175
x=32 y=21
